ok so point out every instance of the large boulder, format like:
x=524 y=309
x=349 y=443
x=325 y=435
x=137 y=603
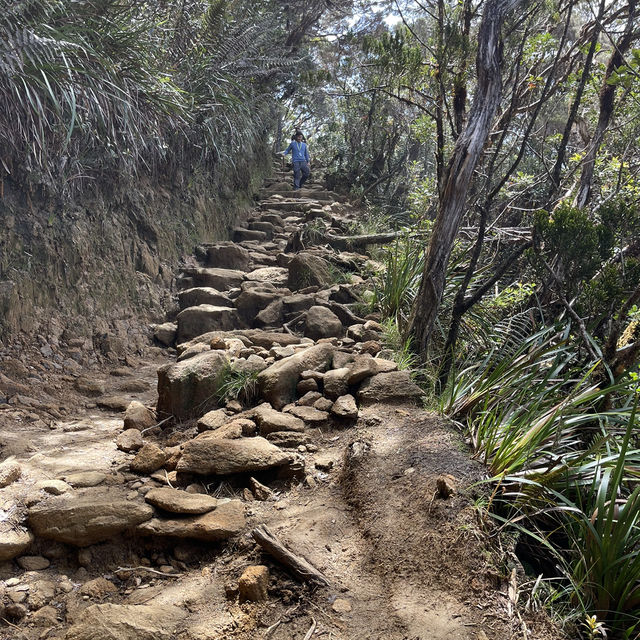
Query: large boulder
x=188 y=389
x=322 y=323
x=127 y=622
x=278 y=382
x=394 y=386
x=195 y=321
x=228 y=256
x=225 y=521
x=211 y=456
x=277 y=276
x=203 y=295
x=306 y=270
x=82 y=519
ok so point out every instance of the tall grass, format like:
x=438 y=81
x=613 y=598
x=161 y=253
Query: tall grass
x=561 y=448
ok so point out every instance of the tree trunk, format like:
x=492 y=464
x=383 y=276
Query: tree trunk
x=607 y=95
x=459 y=173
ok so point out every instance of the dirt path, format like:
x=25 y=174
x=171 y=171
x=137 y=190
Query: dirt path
x=406 y=558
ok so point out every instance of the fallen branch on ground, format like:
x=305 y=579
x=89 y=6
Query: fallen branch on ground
x=296 y=564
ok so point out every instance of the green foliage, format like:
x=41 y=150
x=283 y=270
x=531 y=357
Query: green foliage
x=396 y=288
x=236 y=384
x=109 y=90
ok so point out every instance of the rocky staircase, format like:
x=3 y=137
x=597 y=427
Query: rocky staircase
x=271 y=350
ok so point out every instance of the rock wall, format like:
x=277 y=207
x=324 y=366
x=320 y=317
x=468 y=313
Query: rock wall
x=100 y=265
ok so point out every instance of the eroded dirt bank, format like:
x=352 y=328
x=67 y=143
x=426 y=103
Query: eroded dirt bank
x=132 y=483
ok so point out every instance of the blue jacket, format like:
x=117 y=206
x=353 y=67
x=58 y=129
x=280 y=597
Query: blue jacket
x=299 y=151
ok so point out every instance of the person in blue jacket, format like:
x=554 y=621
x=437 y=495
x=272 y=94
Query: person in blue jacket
x=300 y=160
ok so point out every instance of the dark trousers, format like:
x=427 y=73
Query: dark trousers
x=301 y=173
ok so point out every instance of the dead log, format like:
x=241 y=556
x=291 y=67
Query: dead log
x=298 y=566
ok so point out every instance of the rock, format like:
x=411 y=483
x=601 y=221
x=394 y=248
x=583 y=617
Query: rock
x=364 y=366
x=98 y=588
x=188 y=389
x=89 y=386
x=10 y=471
x=134 y=386
x=212 y=420
x=129 y=440
x=345 y=407
x=445 y=486
x=176 y=501
x=41 y=593
x=323 y=404
x=165 y=333
x=194 y=321
x=322 y=323
x=193 y=350
x=149 y=459
x=13 y=541
x=220 y=279
x=277 y=276
x=278 y=382
x=342 y=359
x=385 y=366
x=84 y=479
x=395 y=386
x=223 y=457
x=305 y=387
x=306 y=270
x=341 y=605
x=372 y=347
x=252 y=364
x=309 y=398
x=324 y=463
x=270 y=420
x=114 y=403
x=359 y=333
x=253 y=584
x=225 y=521
x=127 y=622
x=228 y=256
x=282 y=352
x=33 y=563
x=138 y=416
x=335 y=383
x=298 y=302
x=53 y=487
x=46 y=616
x=289 y=439
x=246 y=235
x=270 y=316
x=260 y=491
x=196 y=296
x=85 y=518
x=310 y=415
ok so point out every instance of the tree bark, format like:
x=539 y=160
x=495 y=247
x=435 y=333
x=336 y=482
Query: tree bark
x=459 y=173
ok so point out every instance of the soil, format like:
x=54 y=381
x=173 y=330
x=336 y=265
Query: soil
x=403 y=563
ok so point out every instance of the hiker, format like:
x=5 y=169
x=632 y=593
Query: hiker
x=300 y=160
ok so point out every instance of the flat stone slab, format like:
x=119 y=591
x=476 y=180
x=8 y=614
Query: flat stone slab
x=85 y=518
x=223 y=456
x=84 y=479
x=269 y=420
x=226 y=521
x=220 y=279
x=176 y=501
x=203 y=295
x=277 y=276
x=127 y=622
